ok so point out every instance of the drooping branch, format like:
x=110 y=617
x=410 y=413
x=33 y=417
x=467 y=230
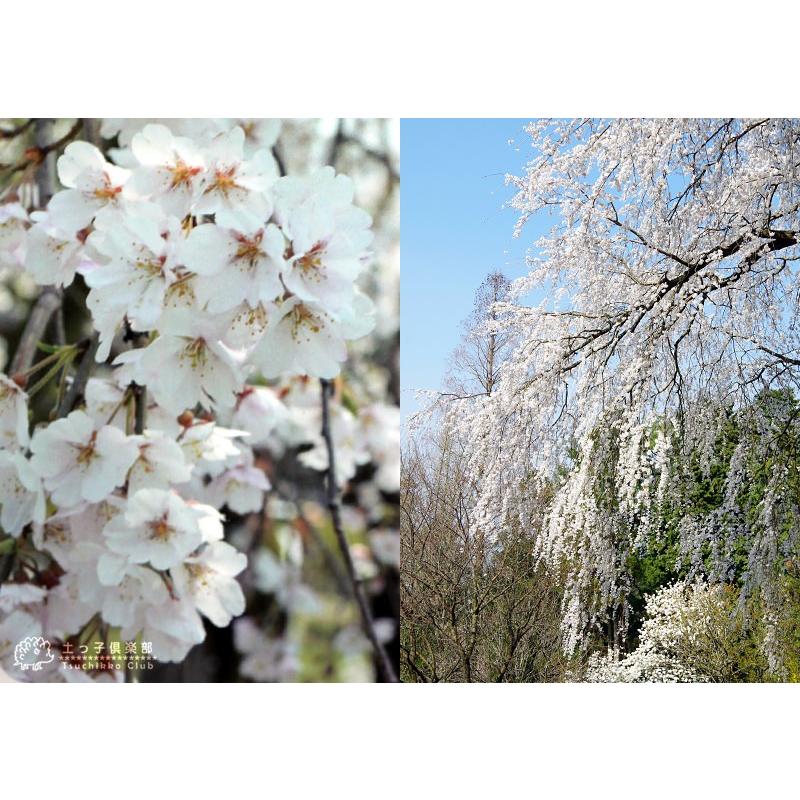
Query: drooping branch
x=333 y=505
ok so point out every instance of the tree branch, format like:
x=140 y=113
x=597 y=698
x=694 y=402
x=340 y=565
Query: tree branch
x=44 y=308
x=10 y=133
x=333 y=505
x=139 y=407
x=81 y=378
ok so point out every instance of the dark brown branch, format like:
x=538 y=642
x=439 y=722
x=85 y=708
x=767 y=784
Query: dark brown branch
x=50 y=298
x=43 y=149
x=44 y=308
x=12 y=132
x=139 y=407
x=38 y=155
x=387 y=668
x=336 y=143
x=376 y=155
x=78 y=385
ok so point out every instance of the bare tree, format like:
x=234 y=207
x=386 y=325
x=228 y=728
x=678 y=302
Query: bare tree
x=475 y=608
x=485 y=345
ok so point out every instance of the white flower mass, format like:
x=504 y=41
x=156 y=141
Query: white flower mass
x=216 y=285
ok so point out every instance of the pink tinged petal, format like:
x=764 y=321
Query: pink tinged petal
x=253 y=476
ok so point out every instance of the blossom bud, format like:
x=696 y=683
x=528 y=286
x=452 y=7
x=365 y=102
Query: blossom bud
x=186 y=419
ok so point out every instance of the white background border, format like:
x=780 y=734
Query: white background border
x=156 y=58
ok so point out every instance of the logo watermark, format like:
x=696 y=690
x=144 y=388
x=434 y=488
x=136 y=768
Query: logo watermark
x=33 y=653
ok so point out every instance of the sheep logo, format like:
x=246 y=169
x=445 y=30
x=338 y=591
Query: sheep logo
x=32 y=653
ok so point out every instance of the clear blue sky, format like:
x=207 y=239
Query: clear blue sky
x=454 y=230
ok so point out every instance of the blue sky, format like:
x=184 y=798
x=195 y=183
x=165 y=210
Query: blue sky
x=454 y=230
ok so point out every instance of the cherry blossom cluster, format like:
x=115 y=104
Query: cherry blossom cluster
x=118 y=516
x=236 y=286
x=234 y=267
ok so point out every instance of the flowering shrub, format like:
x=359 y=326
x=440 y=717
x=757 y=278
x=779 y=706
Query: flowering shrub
x=693 y=633
x=174 y=439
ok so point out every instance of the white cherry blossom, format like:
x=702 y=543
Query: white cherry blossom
x=258 y=411
x=158 y=527
x=13 y=415
x=241 y=487
x=161 y=463
x=74 y=536
x=328 y=237
x=53 y=256
x=21 y=495
x=15 y=627
x=259 y=134
x=209 y=580
x=189 y=364
x=93 y=184
x=79 y=460
x=139 y=254
x=172 y=171
x=205 y=270
x=379 y=431
x=127 y=596
x=173 y=627
x=13 y=235
x=250 y=264
x=265 y=658
x=306 y=339
x=104 y=401
x=210 y=448
x=236 y=188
